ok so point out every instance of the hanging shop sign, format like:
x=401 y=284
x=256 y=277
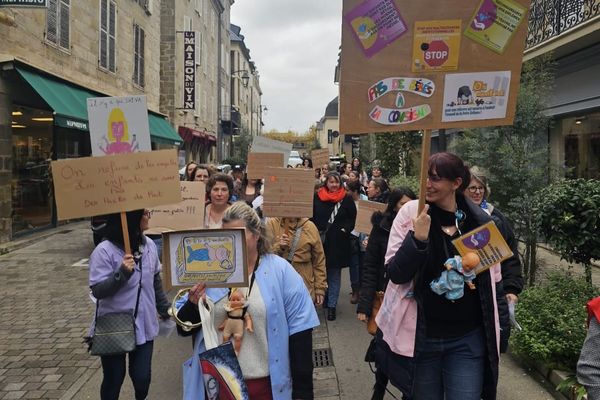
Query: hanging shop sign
x=189 y=70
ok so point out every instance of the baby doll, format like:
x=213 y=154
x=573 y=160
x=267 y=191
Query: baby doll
x=459 y=270
x=237 y=315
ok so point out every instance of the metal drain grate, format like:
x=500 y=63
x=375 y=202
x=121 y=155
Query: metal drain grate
x=322 y=358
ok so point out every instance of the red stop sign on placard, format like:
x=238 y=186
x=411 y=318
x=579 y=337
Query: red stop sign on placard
x=437 y=53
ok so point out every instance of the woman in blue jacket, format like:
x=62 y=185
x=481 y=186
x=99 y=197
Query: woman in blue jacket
x=276 y=359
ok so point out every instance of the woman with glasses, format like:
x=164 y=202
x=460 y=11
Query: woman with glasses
x=431 y=347
x=508 y=291
x=115 y=279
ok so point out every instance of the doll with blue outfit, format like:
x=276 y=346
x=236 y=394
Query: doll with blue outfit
x=459 y=271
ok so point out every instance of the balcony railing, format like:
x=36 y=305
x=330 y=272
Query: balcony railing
x=550 y=18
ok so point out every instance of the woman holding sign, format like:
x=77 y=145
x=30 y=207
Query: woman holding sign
x=276 y=358
x=431 y=347
x=334 y=214
x=128 y=282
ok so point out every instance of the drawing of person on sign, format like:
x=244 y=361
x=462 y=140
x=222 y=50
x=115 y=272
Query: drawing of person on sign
x=116 y=140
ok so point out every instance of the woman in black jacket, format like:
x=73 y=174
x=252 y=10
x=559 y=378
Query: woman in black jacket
x=374 y=278
x=334 y=214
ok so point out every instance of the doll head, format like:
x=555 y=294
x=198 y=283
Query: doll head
x=470 y=260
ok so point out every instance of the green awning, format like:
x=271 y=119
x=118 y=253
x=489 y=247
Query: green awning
x=161 y=130
x=66 y=100
x=69 y=103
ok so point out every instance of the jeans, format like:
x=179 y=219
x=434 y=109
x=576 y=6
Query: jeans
x=334 y=282
x=113 y=369
x=356 y=270
x=451 y=367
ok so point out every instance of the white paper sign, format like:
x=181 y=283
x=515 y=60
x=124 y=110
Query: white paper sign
x=475 y=96
x=118 y=125
x=263 y=145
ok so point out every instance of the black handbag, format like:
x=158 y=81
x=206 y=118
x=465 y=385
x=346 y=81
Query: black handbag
x=114 y=333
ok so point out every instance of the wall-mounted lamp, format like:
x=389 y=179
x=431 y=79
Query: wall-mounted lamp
x=245 y=77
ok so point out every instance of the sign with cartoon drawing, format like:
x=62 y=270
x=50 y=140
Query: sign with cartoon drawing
x=476 y=96
x=405 y=62
x=118 y=125
x=214 y=256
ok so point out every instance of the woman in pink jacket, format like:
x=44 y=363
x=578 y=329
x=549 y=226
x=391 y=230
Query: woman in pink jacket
x=430 y=347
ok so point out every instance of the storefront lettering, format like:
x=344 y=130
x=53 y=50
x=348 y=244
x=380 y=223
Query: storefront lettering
x=76 y=125
x=189 y=71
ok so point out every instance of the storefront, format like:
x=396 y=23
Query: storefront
x=199 y=146
x=49 y=122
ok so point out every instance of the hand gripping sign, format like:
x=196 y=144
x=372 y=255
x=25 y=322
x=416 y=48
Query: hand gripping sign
x=400 y=116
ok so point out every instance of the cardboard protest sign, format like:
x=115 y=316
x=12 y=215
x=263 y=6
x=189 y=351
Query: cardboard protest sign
x=118 y=125
x=487 y=242
x=289 y=192
x=214 y=256
x=187 y=214
x=258 y=162
x=319 y=158
x=364 y=212
x=450 y=70
x=89 y=186
x=261 y=144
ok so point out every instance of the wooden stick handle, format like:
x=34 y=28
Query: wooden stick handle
x=126 y=244
x=425 y=150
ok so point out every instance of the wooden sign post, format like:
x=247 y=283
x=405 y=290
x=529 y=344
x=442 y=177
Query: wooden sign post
x=418 y=66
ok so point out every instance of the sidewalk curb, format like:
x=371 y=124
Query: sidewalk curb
x=29 y=239
x=549 y=378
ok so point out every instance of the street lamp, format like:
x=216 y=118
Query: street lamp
x=245 y=77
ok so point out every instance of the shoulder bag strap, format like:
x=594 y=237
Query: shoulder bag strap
x=336 y=208
x=294 y=245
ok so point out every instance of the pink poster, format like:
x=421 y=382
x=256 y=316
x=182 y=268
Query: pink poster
x=375 y=24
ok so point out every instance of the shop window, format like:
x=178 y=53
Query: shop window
x=57 y=23
x=108 y=23
x=138 y=55
x=31 y=184
x=582 y=146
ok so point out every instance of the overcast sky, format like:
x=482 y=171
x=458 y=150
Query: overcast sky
x=295 y=45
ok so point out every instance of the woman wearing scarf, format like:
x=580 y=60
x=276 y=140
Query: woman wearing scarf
x=334 y=214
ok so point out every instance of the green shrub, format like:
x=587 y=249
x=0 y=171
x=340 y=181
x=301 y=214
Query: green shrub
x=553 y=319
x=411 y=182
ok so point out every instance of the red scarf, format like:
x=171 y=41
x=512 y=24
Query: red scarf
x=334 y=197
x=593 y=309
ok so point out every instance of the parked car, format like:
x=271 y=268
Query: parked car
x=224 y=168
x=294 y=159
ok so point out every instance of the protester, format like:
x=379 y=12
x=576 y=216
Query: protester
x=376 y=170
x=276 y=359
x=219 y=188
x=201 y=173
x=324 y=172
x=189 y=169
x=373 y=278
x=307 y=163
x=115 y=279
x=357 y=247
x=357 y=166
x=297 y=240
x=378 y=190
x=249 y=190
x=511 y=286
x=588 y=366
x=334 y=214
x=423 y=337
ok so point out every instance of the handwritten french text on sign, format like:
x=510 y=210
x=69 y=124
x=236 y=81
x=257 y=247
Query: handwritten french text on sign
x=187 y=214
x=258 y=162
x=319 y=157
x=263 y=145
x=118 y=125
x=103 y=185
x=288 y=192
x=364 y=212
x=487 y=242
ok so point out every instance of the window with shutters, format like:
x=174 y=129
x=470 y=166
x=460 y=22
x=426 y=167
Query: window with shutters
x=108 y=32
x=57 y=23
x=138 y=55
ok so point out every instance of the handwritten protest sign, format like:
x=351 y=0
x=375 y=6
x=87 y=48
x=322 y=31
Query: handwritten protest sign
x=187 y=214
x=102 y=185
x=118 y=125
x=319 y=157
x=487 y=242
x=261 y=144
x=288 y=192
x=258 y=162
x=214 y=256
x=364 y=212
